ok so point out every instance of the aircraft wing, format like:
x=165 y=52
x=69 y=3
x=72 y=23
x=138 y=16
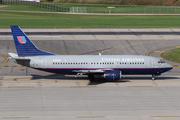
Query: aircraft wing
x=98 y=71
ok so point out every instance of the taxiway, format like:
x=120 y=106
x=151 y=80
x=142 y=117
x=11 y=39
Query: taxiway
x=30 y=94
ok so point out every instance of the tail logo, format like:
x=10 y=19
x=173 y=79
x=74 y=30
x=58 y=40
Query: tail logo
x=21 y=39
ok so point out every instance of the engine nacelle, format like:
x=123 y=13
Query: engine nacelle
x=112 y=74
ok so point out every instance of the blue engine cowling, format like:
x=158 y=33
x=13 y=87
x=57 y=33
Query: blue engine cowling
x=112 y=74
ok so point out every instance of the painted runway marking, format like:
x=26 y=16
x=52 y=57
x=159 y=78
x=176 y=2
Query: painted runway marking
x=6 y=59
x=147 y=54
x=159 y=50
x=15 y=117
x=129 y=45
x=90 y=117
x=165 y=116
x=20 y=86
x=83 y=86
x=140 y=86
x=12 y=66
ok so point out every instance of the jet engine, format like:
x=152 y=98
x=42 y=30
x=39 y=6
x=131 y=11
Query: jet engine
x=112 y=74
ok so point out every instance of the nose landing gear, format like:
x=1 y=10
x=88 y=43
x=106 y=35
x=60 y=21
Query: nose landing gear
x=153 y=77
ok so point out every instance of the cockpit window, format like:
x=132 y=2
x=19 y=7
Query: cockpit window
x=161 y=61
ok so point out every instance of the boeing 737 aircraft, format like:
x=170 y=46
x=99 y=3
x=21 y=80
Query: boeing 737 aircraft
x=111 y=67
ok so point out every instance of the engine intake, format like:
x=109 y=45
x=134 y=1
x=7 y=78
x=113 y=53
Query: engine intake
x=112 y=74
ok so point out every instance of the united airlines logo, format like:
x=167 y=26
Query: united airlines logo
x=124 y=59
x=21 y=39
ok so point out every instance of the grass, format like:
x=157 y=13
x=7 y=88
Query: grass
x=125 y=9
x=24 y=8
x=106 y=5
x=172 y=55
x=95 y=8
x=123 y=2
x=47 y=20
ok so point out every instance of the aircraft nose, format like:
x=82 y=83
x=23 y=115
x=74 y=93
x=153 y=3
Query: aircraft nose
x=169 y=66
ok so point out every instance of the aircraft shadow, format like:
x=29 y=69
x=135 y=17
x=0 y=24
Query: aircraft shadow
x=56 y=76
x=149 y=78
x=60 y=77
x=107 y=81
x=99 y=80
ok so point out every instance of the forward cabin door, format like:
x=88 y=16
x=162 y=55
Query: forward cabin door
x=150 y=63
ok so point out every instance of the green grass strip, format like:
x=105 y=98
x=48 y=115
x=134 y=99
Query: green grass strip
x=172 y=55
x=24 y=8
x=49 y=20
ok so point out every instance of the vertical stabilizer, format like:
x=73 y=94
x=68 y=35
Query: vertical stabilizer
x=23 y=44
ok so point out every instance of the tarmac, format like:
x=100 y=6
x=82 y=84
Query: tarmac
x=30 y=94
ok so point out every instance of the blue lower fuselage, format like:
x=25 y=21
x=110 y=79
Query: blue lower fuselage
x=125 y=71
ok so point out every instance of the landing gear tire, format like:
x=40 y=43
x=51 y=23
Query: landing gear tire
x=91 y=78
x=153 y=78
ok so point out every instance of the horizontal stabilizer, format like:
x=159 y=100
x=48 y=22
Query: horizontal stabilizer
x=13 y=55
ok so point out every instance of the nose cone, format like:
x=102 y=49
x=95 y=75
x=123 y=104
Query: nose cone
x=169 y=66
x=166 y=67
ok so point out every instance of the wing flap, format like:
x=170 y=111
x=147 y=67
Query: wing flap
x=98 y=71
x=89 y=71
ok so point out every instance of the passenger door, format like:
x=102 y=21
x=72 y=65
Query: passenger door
x=150 y=63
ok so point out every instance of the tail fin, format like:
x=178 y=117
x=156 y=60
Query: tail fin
x=23 y=44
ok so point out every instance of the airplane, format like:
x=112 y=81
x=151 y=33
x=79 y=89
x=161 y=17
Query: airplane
x=110 y=67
